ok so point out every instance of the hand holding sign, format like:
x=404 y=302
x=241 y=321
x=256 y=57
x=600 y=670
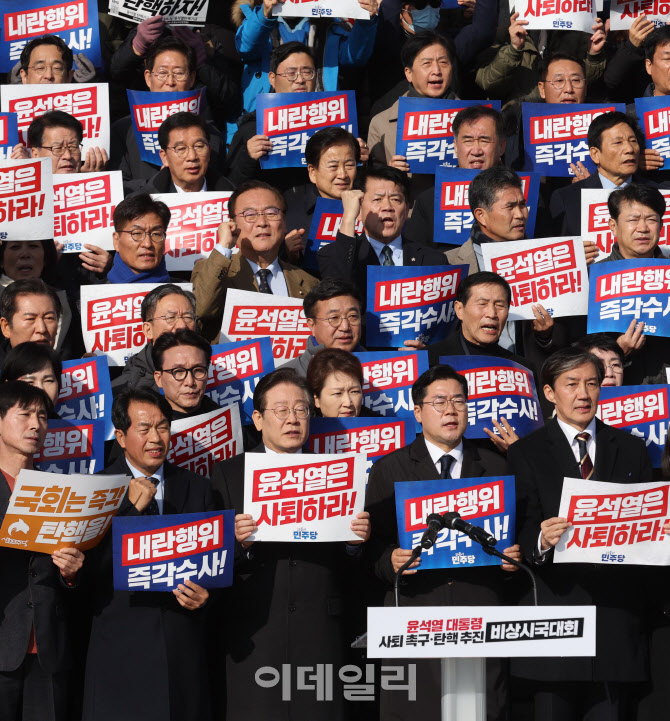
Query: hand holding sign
x=590 y=251
x=504 y=438
x=190 y=595
x=258 y=146
x=399 y=162
x=517 y=32
x=244 y=527
x=599 y=37
x=633 y=339
x=69 y=561
x=361 y=527
x=641 y=28
x=96 y=160
x=96 y=259
x=651 y=160
x=551 y=531
x=20 y=152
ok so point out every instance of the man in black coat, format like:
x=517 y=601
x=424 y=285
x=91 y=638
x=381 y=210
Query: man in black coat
x=146 y=656
x=568 y=689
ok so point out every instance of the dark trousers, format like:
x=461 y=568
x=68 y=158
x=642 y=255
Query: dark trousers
x=32 y=694
x=580 y=701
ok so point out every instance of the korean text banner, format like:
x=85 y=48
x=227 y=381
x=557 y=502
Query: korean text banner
x=72 y=447
x=290 y=123
x=49 y=511
x=148 y=113
x=453 y=219
x=197 y=443
x=623 y=290
x=624 y=12
x=191 y=234
x=26 y=200
x=9 y=134
x=411 y=303
x=488 y=502
x=424 y=134
x=554 y=135
x=186 y=12
x=550 y=271
x=321 y=8
x=88 y=102
x=304 y=497
x=557 y=14
x=76 y=22
x=614 y=523
x=111 y=322
x=654 y=118
x=86 y=393
x=497 y=388
x=325 y=225
x=157 y=553
x=640 y=410
x=248 y=316
x=84 y=205
x=235 y=371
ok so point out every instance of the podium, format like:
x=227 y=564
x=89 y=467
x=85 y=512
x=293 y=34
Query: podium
x=462 y=637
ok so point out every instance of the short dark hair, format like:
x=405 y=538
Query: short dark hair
x=659 y=36
x=328 y=361
x=179 y=337
x=135 y=206
x=254 y=185
x=645 y=195
x=169 y=43
x=123 y=399
x=324 y=139
x=281 y=52
x=386 y=172
x=473 y=113
x=181 y=121
x=50 y=256
x=600 y=341
x=152 y=299
x=421 y=40
x=53 y=119
x=22 y=394
x=436 y=373
x=327 y=289
x=567 y=359
x=486 y=185
x=32 y=286
x=30 y=357
x=606 y=121
x=484 y=277
x=54 y=40
x=555 y=57
x=281 y=375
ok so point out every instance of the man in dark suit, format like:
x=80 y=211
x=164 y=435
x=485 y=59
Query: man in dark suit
x=383 y=207
x=146 y=656
x=34 y=653
x=577 y=445
x=440 y=405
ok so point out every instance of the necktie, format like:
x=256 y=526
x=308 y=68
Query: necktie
x=152 y=508
x=445 y=466
x=584 y=459
x=263 y=284
x=387 y=255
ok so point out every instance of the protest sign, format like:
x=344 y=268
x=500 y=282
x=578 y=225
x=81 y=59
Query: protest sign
x=111 y=321
x=325 y=225
x=290 y=124
x=557 y=14
x=411 y=303
x=248 y=315
x=614 y=523
x=157 y=553
x=624 y=12
x=497 y=388
x=191 y=234
x=654 y=117
x=424 y=135
x=321 y=9
x=72 y=447
x=186 y=12
x=84 y=208
x=147 y=113
x=234 y=373
x=26 y=200
x=548 y=271
x=48 y=511
x=487 y=502
x=623 y=290
x=9 y=134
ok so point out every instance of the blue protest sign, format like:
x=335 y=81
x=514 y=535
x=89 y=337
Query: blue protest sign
x=235 y=371
x=488 y=502
x=497 y=388
x=424 y=134
x=653 y=114
x=72 y=447
x=623 y=290
x=324 y=228
x=290 y=119
x=157 y=553
x=411 y=303
x=148 y=110
x=554 y=135
x=9 y=134
x=86 y=392
x=75 y=21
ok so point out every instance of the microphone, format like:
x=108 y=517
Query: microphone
x=435 y=523
x=454 y=520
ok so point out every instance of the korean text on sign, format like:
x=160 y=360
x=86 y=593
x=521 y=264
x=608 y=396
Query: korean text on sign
x=624 y=12
x=173 y=12
x=558 y=14
x=26 y=200
x=72 y=447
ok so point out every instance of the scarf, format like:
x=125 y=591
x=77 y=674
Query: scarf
x=121 y=273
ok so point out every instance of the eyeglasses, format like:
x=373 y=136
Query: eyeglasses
x=614 y=367
x=199 y=373
x=178 y=75
x=559 y=83
x=336 y=320
x=282 y=413
x=440 y=404
x=58 y=150
x=41 y=68
x=171 y=318
x=156 y=236
x=251 y=216
x=181 y=151
x=291 y=75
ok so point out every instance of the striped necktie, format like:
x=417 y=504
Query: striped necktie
x=585 y=462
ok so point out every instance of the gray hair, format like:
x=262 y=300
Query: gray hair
x=153 y=298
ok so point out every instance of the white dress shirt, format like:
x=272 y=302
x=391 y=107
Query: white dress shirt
x=160 y=486
x=274 y=453
x=395 y=245
x=181 y=190
x=456 y=453
x=609 y=185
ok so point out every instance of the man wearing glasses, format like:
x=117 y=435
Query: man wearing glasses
x=257 y=226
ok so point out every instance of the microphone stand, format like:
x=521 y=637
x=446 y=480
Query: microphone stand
x=492 y=551
x=416 y=552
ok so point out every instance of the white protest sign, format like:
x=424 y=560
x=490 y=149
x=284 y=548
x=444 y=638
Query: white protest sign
x=26 y=200
x=188 y=12
x=321 y=8
x=557 y=14
x=624 y=12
